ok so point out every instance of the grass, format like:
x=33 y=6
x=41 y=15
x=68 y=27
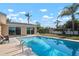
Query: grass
x=74 y=37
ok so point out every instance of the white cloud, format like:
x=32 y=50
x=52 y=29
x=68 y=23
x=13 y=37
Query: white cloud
x=20 y=19
x=12 y=15
x=8 y=16
x=10 y=10
x=22 y=12
x=47 y=17
x=13 y=18
x=43 y=10
x=66 y=18
x=33 y=21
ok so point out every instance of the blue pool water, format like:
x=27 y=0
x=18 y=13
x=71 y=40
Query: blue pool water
x=44 y=46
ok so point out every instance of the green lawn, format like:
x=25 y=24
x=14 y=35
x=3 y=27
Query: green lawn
x=74 y=37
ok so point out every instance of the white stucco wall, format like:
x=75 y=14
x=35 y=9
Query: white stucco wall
x=3 y=19
x=23 y=27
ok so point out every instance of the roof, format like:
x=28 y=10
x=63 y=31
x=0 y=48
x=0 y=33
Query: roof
x=20 y=23
x=3 y=13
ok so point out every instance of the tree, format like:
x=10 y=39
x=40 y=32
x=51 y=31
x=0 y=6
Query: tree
x=68 y=24
x=38 y=26
x=57 y=23
x=70 y=11
x=41 y=29
x=28 y=16
x=8 y=20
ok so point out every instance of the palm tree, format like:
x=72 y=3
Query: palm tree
x=57 y=23
x=70 y=11
x=28 y=16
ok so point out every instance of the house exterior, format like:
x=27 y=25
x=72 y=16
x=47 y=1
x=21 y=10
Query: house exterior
x=14 y=28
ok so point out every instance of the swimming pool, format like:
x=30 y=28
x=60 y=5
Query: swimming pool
x=45 y=46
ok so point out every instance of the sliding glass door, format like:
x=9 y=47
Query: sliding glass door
x=30 y=30
x=14 y=31
x=18 y=31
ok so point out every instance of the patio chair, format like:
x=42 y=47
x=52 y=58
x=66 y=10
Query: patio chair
x=6 y=38
x=1 y=40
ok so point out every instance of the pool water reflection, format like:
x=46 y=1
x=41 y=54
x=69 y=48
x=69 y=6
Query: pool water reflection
x=44 y=46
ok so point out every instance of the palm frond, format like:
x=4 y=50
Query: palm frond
x=65 y=12
x=69 y=10
x=27 y=14
x=77 y=13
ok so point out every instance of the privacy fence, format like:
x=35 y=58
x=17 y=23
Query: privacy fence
x=65 y=32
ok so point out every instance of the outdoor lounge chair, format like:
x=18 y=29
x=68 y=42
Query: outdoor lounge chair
x=4 y=38
x=1 y=40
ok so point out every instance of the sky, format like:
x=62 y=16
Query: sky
x=44 y=13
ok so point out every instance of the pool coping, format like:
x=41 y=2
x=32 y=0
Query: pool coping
x=61 y=38
x=49 y=37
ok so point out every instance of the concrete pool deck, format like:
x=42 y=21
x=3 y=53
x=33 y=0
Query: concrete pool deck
x=13 y=48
